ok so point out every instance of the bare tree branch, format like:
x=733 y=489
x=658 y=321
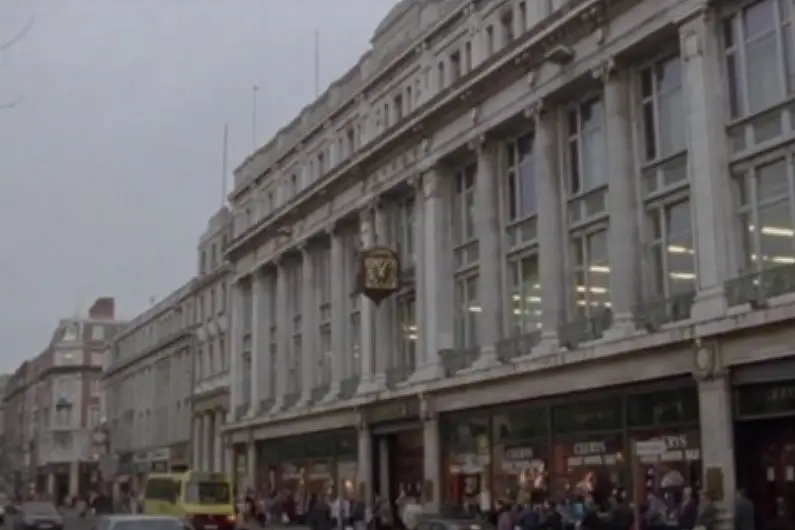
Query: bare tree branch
x=18 y=37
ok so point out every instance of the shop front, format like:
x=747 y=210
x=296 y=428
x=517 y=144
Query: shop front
x=764 y=426
x=577 y=444
x=309 y=465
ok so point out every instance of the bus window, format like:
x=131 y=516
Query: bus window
x=207 y=493
x=162 y=489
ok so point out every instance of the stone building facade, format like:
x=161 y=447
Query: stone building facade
x=592 y=207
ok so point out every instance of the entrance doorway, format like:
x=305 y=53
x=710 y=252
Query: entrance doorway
x=765 y=458
x=398 y=464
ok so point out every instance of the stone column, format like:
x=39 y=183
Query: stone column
x=367 y=312
x=623 y=243
x=339 y=314
x=218 y=445
x=229 y=459
x=431 y=461
x=717 y=439
x=434 y=274
x=259 y=338
x=488 y=229
x=235 y=348
x=710 y=196
x=207 y=439
x=283 y=323
x=551 y=236
x=365 y=464
x=309 y=328
x=198 y=441
x=251 y=464
x=385 y=311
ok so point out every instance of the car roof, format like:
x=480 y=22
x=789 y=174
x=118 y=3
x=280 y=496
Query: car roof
x=140 y=517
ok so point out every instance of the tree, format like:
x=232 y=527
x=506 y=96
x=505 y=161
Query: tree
x=7 y=45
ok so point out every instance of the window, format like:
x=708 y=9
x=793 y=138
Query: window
x=405 y=221
x=97 y=332
x=522 y=17
x=407 y=317
x=463 y=218
x=520 y=190
x=93 y=387
x=587 y=147
x=468 y=56
x=759 y=56
x=591 y=272
x=507 y=28
x=441 y=79
x=245 y=397
x=467 y=310
x=455 y=66
x=296 y=347
x=398 y=105
x=489 y=40
x=671 y=248
x=93 y=416
x=525 y=290
x=765 y=214
x=664 y=131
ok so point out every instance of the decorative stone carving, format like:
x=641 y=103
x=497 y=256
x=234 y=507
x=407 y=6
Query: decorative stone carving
x=474 y=115
x=707 y=364
x=604 y=70
x=535 y=110
x=477 y=142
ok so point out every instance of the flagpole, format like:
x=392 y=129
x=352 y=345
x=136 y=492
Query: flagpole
x=225 y=163
x=254 y=91
x=317 y=63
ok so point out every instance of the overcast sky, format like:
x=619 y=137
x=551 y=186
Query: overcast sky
x=111 y=163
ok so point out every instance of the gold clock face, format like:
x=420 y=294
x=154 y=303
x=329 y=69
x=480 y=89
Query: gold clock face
x=381 y=271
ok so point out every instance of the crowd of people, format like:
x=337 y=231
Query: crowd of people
x=534 y=511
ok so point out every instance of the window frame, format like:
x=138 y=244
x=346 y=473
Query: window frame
x=461 y=192
x=582 y=236
x=461 y=316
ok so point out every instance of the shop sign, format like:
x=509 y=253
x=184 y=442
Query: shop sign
x=380 y=273
x=592 y=453
x=760 y=400
x=406 y=409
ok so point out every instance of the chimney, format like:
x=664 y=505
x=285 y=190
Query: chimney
x=103 y=308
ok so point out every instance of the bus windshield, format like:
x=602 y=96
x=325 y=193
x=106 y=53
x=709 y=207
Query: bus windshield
x=207 y=493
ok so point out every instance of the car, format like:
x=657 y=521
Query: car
x=142 y=522
x=38 y=515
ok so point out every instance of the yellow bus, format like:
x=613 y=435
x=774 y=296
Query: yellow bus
x=205 y=499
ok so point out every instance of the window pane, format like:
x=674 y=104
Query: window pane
x=759 y=18
x=649 y=136
x=736 y=91
x=469 y=226
x=771 y=181
x=748 y=242
x=527 y=180
x=776 y=235
x=512 y=198
x=672 y=123
x=762 y=60
x=658 y=269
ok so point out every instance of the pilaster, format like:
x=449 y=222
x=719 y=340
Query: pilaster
x=251 y=464
x=490 y=251
x=365 y=463
x=622 y=236
x=368 y=384
x=260 y=341
x=218 y=445
x=236 y=348
x=705 y=99
x=206 y=434
x=339 y=314
x=550 y=225
x=434 y=275
x=385 y=311
x=309 y=328
x=283 y=331
x=197 y=442
x=717 y=429
x=432 y=457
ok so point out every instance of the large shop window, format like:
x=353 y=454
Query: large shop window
x=589 y=452
x=468 y=463
x=521 y=452
x=673 y=417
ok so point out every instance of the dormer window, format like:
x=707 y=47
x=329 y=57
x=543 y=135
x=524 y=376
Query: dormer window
x=398 y=103
x=455 y=66
x=507 y=28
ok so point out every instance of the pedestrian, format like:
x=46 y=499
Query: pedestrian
x=318 y=516
x=744 y=512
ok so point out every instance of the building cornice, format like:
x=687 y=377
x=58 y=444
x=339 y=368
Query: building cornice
x=511 y=63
